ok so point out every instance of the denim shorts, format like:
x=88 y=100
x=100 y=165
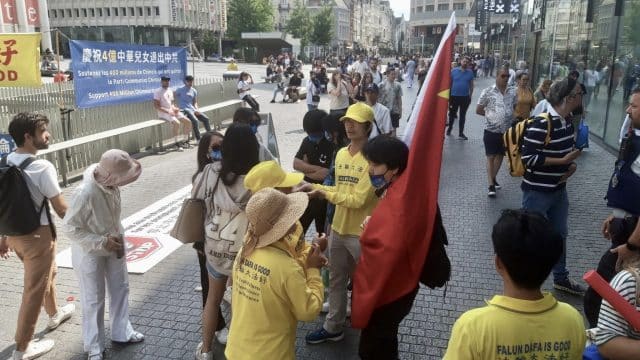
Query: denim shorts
x=214 y=274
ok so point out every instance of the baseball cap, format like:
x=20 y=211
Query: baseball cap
x=359 y=112
x=268 y=174
x=165 y=78
x=372 y=87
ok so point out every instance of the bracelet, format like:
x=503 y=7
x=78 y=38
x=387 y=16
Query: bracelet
x=632 y=247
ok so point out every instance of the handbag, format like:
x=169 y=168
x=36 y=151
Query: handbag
x=582 y=137
x=315 y=98
x=189 y=226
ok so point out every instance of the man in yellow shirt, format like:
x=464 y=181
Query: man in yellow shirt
x=232 y=66
x=354 y=198
x=524 y=322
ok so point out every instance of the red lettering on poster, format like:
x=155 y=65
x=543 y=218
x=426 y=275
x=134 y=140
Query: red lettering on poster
x=7 y=52
x=33 y=13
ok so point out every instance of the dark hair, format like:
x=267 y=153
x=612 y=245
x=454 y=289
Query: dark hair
x=203 y=151
x=389 y=151
x=247 y=116
x=25 y=123
x=188 y=78
x=527 y=245
x=520 y=74
x=559 y=90
x=242 y=75
x=239 y=152
x=333 y=125
x=312 y=121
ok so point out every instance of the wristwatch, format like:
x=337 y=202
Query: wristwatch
x=632 y=247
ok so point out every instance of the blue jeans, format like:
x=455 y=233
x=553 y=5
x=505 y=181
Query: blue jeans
x=555 y=207
x=194 y=122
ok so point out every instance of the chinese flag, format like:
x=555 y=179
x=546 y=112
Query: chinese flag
x=396 y=240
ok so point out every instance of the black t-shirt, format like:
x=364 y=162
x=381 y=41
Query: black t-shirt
x=317 y=154
x=295 y=81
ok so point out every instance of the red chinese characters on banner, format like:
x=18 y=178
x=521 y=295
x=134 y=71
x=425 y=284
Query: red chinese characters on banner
x=33 y=13
x=9 y=14
x=7 y=51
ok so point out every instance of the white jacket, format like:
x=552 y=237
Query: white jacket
x=94 y=213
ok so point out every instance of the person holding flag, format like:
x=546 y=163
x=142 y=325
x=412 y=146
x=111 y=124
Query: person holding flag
x=393 y=252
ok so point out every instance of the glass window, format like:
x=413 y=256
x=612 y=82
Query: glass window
x=115 y=12
x=68 y=12
x=107 y=11
x=148 y=10
x=84 y=12
x=157 y=9
x=123 y=11
x=132 y=12
x=428 y=8
x=76 y=12
x=443 y=7
x=100 y=12
x=92 y=12
x=458 y=6
x=419 y=9
x=140 y=13
x=52 y=13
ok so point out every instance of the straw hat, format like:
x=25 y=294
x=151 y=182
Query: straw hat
x=271 y=215
x=116 y=168
x=269 y=174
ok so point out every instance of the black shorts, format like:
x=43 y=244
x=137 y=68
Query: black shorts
x=395 y=120
x=493 y=144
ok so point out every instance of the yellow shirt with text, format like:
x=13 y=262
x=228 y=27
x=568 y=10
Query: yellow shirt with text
x=353 y=194
x=515 y=329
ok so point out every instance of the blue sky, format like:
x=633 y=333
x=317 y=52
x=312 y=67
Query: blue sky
x=401 y=7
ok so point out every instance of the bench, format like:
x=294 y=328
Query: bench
x=217 y=120
x=111 y=135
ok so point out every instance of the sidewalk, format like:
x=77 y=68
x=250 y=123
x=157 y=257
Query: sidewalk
x=165 y=307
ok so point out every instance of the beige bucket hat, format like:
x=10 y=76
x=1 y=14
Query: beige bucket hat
x=116 y=168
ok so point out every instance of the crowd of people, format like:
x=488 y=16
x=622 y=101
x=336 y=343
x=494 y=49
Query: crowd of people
x=254 y=254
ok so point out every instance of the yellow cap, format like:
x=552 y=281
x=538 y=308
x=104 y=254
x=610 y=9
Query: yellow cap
x=268 y=174
x=359 y=112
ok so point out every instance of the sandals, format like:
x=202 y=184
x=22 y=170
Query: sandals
x=136 y=337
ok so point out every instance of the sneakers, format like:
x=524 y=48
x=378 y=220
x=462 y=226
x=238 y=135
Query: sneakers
x=321 y=335
x=227 y=294
x=462 y=137
x=203 y=356
x=222 y=336
x=178 y=147
x=272 y=101
x=492 y=191
x=495 y=183
x=63 y=314
x=34 y=349
x=569 y=286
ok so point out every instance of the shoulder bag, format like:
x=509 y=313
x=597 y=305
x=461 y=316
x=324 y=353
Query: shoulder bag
x=189 y=226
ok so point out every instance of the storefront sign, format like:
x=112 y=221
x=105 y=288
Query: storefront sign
x=20 y=60
x=507 y=6
x=110 y=73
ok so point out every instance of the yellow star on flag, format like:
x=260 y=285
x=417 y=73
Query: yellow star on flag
x=444 y=94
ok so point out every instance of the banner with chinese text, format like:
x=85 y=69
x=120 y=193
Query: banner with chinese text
x=111 y=73
x=20 y=60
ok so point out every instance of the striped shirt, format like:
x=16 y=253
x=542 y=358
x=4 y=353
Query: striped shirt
x=610 y=323
x=540 y=177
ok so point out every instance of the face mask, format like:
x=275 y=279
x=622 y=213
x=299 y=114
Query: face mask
x=315 y=138
x=254 y=129
x=378 y=181
x=328 y=136
x=216 y=155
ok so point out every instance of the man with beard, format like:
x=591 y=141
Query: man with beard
x=36 y=250
x=548 y=166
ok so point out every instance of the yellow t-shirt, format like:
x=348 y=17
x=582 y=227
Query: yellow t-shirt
x=232 y=67
x=514 y=329
x=353 y=194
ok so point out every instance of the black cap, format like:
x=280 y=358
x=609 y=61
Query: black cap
x=373 y=88
x=188 y=78
x=165 y=78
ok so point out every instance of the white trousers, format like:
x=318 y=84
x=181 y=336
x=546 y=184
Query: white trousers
x=92 y=271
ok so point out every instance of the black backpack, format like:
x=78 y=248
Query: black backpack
x=436 y=271
x=18 y=214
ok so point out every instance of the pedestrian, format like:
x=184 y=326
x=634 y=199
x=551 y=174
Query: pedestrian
x=252 y=118
x=233 y=66
x=525 y=100
x=382 y=115
x=277 y=279
x=526 y=248
x=314 y=88
x=391 y=97
x=187 y=97
x=359 y=84
x=339 y=92
x=292 y=92
x=422 y=73
x=622 y=227
x=245 y=82
x=496 y=104
x=375 y=72
x=461 y=93
x=549 y=165
x=225 y=220
x=36 y=250
x=410 y=71
x=209 y=151
x=313 y=159
x=167 y=111
x=98 y=250
x=543 y=90
x=360 y=66
x=354 y=198
x=590 y=81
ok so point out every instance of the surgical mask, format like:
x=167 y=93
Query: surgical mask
x=378 y=181
x=328 y=136
x=315 y=138
x=254 y=129
x=216 y=155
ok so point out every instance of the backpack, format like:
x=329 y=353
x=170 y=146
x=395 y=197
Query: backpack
x=436 y=271
x=18 y=214
x=513 y=141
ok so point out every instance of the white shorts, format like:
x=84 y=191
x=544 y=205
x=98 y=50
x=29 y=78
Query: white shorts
x=171 y=118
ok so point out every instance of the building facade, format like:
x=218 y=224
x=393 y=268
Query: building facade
x=24 y=16
x=429 y=18
x=159 y=22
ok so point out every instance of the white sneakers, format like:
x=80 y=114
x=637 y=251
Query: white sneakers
x=34 y=350
x=63 y=314
x=203 y=356
x=227 y=294
x=222 y=336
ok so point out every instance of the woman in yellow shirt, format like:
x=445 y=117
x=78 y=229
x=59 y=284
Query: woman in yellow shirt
x=526 y=101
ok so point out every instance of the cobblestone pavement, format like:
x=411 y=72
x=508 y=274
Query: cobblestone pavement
x=165 y=307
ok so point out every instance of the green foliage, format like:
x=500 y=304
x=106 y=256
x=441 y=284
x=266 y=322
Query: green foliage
x=322 y=27
x=631 y=24
x=248 y=16
x=299 y=24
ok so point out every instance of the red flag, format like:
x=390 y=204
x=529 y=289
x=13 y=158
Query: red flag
x=396 y=240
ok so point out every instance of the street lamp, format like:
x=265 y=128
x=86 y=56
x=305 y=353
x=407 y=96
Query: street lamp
x=422 y=46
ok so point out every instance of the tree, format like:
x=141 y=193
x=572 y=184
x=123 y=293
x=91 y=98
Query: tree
x=322 y=27
x=299 y=24
x=248 y=16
